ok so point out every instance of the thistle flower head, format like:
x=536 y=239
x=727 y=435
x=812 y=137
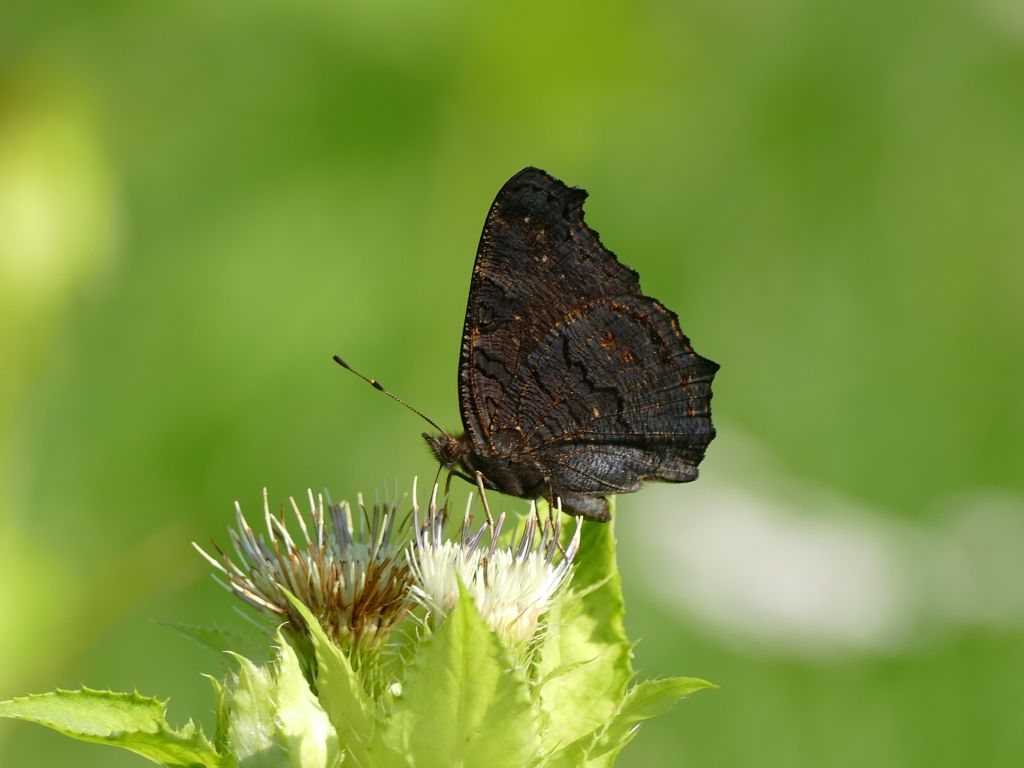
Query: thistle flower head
x=512 y=585
x=349 y=573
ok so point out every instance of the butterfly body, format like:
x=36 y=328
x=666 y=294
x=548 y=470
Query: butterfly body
x=572 y=383
x=507 y=472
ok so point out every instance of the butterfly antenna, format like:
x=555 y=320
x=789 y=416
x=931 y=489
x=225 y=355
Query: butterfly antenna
x=377 y=385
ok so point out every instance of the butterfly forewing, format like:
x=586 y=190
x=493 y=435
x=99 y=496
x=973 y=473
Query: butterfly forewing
x=566 y=366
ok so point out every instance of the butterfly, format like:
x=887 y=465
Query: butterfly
x=573 y=385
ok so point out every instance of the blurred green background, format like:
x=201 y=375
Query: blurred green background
x=201 y=202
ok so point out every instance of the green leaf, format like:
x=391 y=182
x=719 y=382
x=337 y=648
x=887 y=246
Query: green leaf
x=127 y=720
x=220 y=641
x=584 y=659
x=274 y=720
x=220 y=739
x=310 y=739
x=643 y=701
x=340 y=692
x=251 y=718
x=463 y=704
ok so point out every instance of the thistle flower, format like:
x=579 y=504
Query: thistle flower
x=512 y=585
x=351 y=577
x=455 y=696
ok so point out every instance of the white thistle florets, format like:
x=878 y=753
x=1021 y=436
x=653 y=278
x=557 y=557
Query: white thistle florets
x=350 y=573
x=512 y=585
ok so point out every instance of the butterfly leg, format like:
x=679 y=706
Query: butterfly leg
x=483 y=497
x=536 y=516
x=455 y=473
x=447 y=482
x=552 y=501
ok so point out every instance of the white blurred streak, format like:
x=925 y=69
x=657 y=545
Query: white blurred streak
x=763 y=562
x=977 y=561
x=1007 y=16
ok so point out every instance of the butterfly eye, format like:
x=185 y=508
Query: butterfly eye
x=446 y=448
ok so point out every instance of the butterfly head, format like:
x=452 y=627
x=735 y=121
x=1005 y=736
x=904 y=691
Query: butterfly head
x=448 y=449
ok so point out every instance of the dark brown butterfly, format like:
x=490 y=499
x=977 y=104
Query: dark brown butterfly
x=572 y=383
